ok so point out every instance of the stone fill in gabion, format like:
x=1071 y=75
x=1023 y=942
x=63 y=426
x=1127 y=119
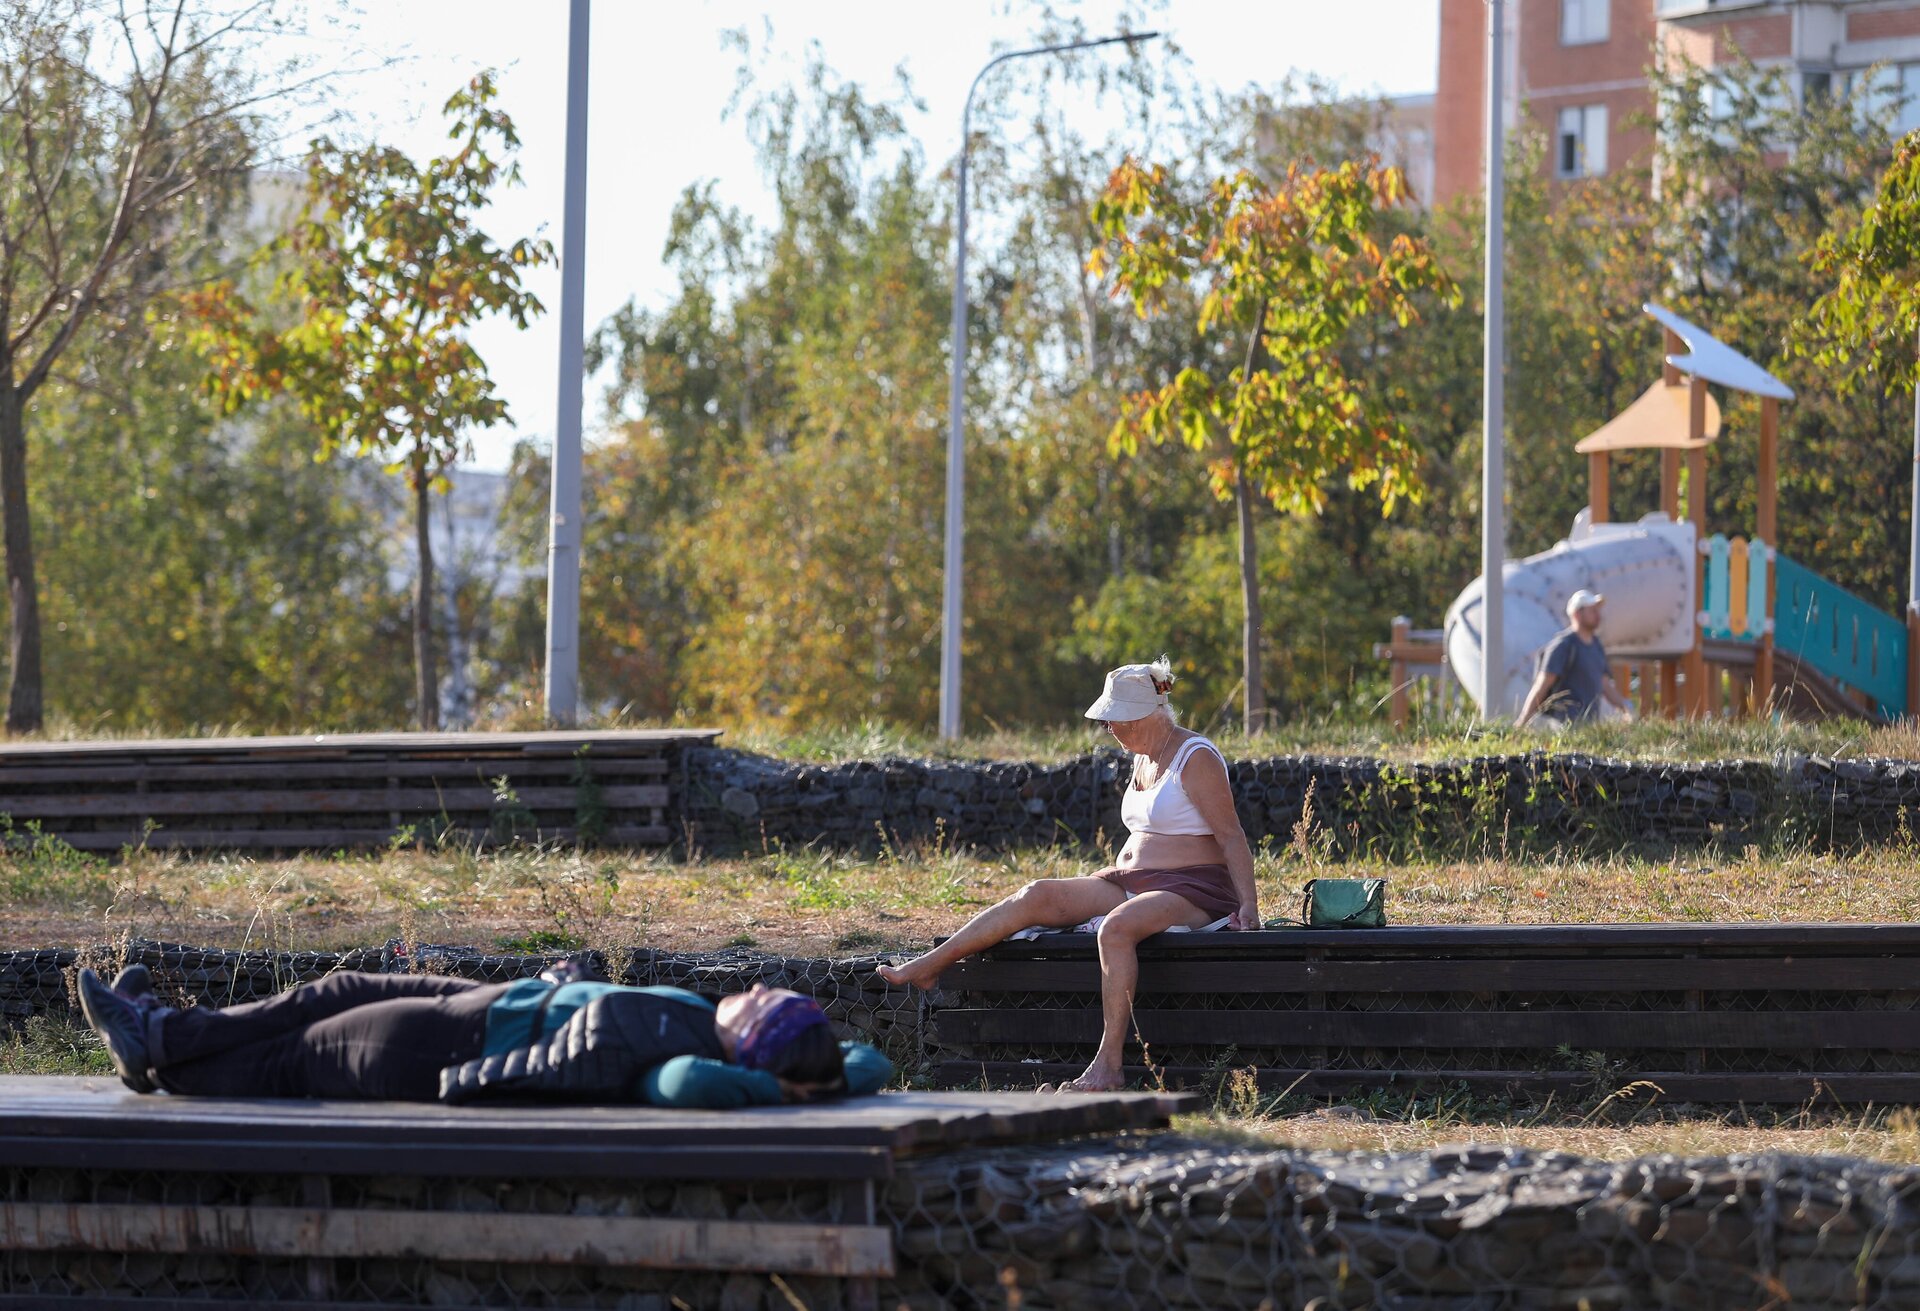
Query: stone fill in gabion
x=1127 y=1223
x=738 y=802
x=1166 y=1221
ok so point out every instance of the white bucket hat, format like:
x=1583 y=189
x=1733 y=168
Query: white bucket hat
x=1132 y=692
x=1581 y=598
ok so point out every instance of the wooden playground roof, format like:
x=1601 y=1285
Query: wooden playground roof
x=1657 y=421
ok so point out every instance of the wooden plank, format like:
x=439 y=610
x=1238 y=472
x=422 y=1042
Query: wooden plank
x=275 y=801
x=106 y=1302
x=328 y=839
x=277 y=1154
x=602 y=768
x=293 y=1231
x=1611 y=1031
x=1578 y=974
x=597 y=740
x=1881 y=1089
x=1526 y=939
x=100 y=1108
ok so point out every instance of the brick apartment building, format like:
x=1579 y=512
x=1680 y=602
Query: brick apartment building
x=1578 y=68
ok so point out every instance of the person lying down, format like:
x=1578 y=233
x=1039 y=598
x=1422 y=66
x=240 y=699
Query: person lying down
x=423 y=1038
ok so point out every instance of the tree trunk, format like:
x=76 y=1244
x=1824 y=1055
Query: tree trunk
x=426 y=684
x=1256 y=696
x=24 y=706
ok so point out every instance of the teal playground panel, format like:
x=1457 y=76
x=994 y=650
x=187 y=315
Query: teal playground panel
x=1758 y=556
x=1719 y=571
x=1834 y=631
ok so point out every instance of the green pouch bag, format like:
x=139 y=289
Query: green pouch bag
x=1344 y=904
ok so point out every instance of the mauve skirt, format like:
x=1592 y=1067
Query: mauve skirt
x=1208 y=887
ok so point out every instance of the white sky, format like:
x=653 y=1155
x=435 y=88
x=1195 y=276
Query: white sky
x=660 y=81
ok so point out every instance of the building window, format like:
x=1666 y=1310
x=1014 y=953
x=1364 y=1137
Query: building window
x=1581 y=142
x=1583 y=22
x=1892 y=90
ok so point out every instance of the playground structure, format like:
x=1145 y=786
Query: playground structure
x=1697 y=625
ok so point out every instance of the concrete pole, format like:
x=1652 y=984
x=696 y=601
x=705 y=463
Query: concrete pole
x=563 y=525
x=1493 y=508
x=1913 y=573
x=951 y=587
x=952 y=575
x=1764 y=520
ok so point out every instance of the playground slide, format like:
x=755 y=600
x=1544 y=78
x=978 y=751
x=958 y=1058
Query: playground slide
x=1644 y=569
x=1800 y=689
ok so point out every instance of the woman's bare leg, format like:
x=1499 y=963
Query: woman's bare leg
x=1057 y=903
x=1120 y=936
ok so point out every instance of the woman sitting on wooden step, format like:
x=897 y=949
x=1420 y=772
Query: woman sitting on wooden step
x=1186 y=863
x=425 y=1037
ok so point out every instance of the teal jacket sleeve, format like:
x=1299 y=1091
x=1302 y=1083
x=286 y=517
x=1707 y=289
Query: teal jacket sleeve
x=867 y=1070
x=700 y=1082
x=704 y=1083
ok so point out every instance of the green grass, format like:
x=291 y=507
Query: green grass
x=46 y=1045
x=1348 y=734
x=1429 y=739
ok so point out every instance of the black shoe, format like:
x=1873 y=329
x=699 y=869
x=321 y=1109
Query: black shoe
x=134 y=982
x=122 y=1025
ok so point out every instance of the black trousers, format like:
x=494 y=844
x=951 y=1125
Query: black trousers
x=381 y=1036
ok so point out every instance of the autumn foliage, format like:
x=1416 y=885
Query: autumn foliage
x=1285 y=273
x=385 y=273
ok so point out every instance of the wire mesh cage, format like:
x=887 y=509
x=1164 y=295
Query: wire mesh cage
x=1133 y=1221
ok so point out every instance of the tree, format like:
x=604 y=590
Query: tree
x=120 y=129
x=1753 y=176
x=389 y=271
x=766 y=509
x=206 y=572
x=1290 y=270
x=1863 y=329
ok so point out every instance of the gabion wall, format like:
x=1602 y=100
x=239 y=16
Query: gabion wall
x=739 y=802
x=1167 y=1221
x=1107 y=1224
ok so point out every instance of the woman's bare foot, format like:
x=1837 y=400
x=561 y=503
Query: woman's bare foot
x=1098 y=1078
x=916 y=973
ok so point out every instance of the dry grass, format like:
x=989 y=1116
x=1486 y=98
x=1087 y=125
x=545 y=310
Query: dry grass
x=1621 y=1127
x=829 y=903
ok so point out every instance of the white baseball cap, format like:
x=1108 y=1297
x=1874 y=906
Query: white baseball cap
x=1581 y=598
x=1132 y=692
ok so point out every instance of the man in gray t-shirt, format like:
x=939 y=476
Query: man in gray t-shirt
x=1573 y=672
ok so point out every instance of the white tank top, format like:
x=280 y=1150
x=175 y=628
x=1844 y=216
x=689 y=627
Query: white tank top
x=1165 y=809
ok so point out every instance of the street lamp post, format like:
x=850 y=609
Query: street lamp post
x=956 y=402
x=1493 y=507
x=563 y=520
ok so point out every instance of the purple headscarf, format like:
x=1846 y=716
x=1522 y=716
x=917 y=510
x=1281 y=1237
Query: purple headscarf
x=779 y=1026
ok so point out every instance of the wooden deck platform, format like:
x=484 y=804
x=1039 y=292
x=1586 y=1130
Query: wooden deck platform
x=87 y=1123
x=329 y=791
x=187 y=1203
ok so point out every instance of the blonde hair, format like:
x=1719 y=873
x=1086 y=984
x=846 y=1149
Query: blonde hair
x=1161 y=671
